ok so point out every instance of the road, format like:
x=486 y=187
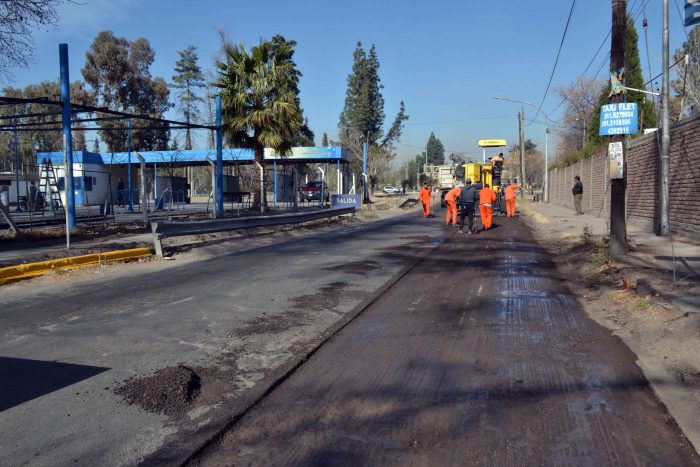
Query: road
x=465 y=350
x=478 y=356
x=67 y=343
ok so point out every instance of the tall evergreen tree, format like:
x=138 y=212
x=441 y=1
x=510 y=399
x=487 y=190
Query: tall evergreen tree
x=362 y=118
x=436 y=151
x=687 y=83
x=324 y=140
x=96 y=146
x=188 y=79
x=635 y=79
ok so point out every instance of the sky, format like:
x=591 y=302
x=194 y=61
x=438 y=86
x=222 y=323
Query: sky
x=445 y=59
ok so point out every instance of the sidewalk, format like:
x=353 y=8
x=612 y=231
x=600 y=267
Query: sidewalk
x=21 y=254
x=649 y=250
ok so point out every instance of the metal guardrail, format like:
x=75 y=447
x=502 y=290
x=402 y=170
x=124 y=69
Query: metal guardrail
x=166 y=229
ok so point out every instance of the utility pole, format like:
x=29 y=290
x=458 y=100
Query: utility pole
x=618 y=228
x=664 y=228
x=521 y=132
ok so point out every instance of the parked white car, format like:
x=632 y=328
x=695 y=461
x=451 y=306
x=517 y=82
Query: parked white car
x=391 y=190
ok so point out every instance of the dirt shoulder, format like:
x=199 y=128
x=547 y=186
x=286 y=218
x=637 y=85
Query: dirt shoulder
x=663 y=336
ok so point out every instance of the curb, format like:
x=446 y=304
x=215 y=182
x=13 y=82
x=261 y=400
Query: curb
x=29 y=270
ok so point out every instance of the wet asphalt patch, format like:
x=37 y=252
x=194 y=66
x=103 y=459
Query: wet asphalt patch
x=327 y=298
x=361 y=268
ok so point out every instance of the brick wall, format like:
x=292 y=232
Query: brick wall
x=642 y=181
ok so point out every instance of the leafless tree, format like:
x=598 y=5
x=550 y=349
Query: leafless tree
x=18 y=20
x=580 y=99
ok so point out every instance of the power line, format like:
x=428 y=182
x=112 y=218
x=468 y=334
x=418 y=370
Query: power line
x=457 y=121
x=605 y=40
x=556 y=61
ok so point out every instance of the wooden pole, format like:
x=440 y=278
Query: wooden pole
x=618 y=228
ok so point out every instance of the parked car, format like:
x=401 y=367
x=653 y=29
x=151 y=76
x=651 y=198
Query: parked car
x=312 y=191
x=391 y=190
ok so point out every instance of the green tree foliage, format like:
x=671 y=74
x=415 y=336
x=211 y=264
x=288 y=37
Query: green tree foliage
x=32 y=141
x=324 y=140
x=687 y=82
x=362 y=118
x=187 y=82
x=633 y=79
x=19 y=19
x=118 y=71
x=436 y=151
x=284 y=50
x=260 y=94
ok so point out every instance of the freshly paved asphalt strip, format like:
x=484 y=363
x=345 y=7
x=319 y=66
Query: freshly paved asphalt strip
x=478 y=356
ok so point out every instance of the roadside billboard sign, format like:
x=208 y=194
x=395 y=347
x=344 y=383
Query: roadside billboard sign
x=619 y=119
x=692 y=12
x=492 y=143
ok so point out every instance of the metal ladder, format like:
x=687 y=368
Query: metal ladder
x=49 y=186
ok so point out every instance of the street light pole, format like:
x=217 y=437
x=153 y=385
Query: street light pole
x=546 y=142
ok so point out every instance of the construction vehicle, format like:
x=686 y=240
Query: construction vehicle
x=446 y=176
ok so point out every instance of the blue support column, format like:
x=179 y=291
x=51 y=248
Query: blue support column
x=67 y=138
x=15 y=137
x=274 y=181
x=219 y=161
x=155 y=186
x=128 y=145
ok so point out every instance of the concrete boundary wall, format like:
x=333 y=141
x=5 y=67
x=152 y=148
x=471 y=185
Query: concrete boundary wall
x=642 y=181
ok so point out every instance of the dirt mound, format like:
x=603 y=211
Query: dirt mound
x=171 y=390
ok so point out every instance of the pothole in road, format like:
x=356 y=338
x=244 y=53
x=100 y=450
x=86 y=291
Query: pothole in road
x=361 y=268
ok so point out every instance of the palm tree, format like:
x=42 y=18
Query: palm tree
x=260 y=103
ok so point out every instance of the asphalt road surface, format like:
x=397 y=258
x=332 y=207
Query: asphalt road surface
x=68 y=342
x=478 y=356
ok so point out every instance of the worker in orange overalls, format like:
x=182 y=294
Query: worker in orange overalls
x=425 y=194
x=451 y=203
x=510 y=199
x=486 y=198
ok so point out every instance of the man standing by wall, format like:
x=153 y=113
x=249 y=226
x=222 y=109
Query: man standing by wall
x=486 y=198
x=510 y=199
x=451 y=204
x=424 y=197
x=577 y=191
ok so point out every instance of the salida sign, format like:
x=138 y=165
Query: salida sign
x=345 y=201
x=619 y=119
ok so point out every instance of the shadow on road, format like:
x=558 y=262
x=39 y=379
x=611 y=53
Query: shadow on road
x=24 y=380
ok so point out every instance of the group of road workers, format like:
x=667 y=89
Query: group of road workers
x=464 y=198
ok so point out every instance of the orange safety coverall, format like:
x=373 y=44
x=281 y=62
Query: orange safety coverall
x=486 y=198
x=510 y=199
x=451 y=203
x=425 y=200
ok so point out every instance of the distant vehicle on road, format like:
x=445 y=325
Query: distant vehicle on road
x=391 y=190
x=314 y=190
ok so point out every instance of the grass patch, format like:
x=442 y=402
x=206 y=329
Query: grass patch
x=640 y=304
x=602 y=258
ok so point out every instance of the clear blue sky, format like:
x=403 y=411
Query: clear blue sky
x=444 y=59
